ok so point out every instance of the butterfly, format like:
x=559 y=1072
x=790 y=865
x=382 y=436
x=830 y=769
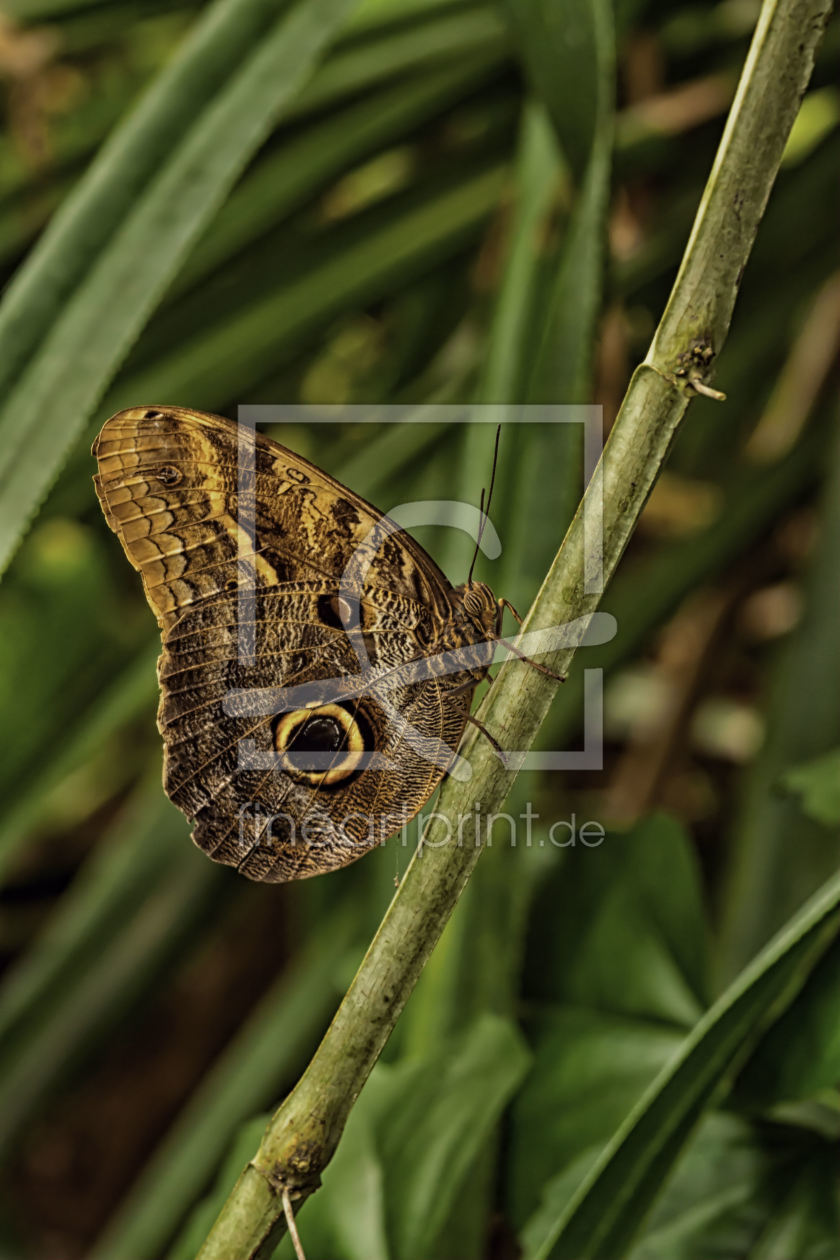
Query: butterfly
x=317 y=667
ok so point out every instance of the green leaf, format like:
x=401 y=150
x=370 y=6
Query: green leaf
x=409 y=1145
x=709 y=1206
x=766 y=877
x=757 y=1192
x=89 y=729
x=578 y=1092
x=436 y=1121
x=817 y=782
x=93 y=214
x=338 y=270
x=514 y=327
x=305 y=163
x=103 y=266
x=616 y=957
x=252 y=1069
x=405 y=38
x=584 y=50
x=629 y=914
x=606 y=1211
x=107 y=948
x=562 y=47
x=562 y=360
x=543 y=335
x=64 y=573
x=120 y=873
x=799 y=1058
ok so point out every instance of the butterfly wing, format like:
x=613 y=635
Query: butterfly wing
x=220 y=713
x=246 y=552
x=201 y=505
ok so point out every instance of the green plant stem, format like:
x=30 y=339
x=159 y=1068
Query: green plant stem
x=303 y=1134
x=773 y=81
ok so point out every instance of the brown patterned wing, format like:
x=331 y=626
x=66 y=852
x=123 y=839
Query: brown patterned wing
x=200 y=510
x=242 y=552
x=257 y=801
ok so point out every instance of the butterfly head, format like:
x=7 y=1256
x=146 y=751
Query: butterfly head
x=479 y=606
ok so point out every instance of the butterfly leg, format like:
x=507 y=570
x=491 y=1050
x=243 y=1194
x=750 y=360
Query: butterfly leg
x=471 y=683
x=506 y=604
x=543 y=669
x=494 y=743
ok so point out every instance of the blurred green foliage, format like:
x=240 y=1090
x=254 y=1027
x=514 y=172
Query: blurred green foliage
x=416 y=202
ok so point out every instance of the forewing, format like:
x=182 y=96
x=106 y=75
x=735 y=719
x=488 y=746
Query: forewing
x=201 y=507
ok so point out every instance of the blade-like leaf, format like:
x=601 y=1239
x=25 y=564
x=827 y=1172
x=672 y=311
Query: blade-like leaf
x=261 y=1059
x=615 y=958
x=765 y=876
x=119 y=874
x=282 y=181
x=800 y=1056
x=87 y=731
x=603 y=1216
x=513 y=329
x=81 y=1001
x=341 y=269
x=560 y=48
x=142 y=204
x=759 y=1194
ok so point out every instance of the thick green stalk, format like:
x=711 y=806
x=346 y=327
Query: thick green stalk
x=303 y=1134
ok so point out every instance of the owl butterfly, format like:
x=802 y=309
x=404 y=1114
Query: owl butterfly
x=317 y=667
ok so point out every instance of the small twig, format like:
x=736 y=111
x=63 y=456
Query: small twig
x=699 y=387
x=291 y=1224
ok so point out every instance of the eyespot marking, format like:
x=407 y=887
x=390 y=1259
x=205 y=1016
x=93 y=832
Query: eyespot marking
x=322 y=746
x=334 y=611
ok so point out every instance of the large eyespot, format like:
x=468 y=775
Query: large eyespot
x=168 y=475
x=322 y=746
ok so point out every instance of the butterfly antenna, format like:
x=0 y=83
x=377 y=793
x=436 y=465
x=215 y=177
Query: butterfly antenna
x=495 y=463
x=477 y=537
x=485 y=511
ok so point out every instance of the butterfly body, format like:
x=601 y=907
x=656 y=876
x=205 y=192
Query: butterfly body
x=317 y=667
